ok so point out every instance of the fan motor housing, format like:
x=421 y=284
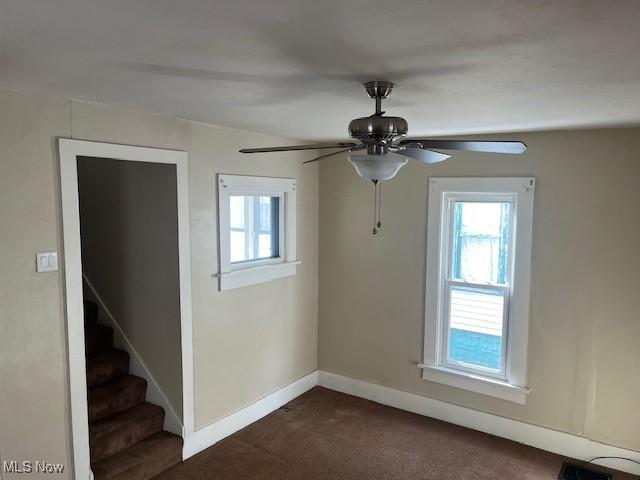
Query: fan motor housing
x=378 y=129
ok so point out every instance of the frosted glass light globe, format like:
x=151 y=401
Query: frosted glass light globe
x=377 y=167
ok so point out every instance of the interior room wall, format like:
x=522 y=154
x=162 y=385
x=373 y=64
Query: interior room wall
x=583 y=356
x=34 y=393
x=129 y=232
x=247 y=342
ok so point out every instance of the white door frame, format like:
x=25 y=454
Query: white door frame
x=69 y=151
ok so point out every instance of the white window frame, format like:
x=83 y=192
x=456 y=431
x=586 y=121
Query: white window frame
x=510 y=382
x=251 y=272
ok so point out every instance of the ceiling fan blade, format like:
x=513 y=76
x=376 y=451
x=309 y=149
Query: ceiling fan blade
x=471 y=145
x=422 y=154
x=316 y=146
x=352 y=149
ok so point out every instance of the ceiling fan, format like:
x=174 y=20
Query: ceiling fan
x=386 y=151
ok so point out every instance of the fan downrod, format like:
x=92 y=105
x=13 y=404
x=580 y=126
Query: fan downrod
x=378 y=89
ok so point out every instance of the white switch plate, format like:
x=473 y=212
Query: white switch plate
x=47 y=261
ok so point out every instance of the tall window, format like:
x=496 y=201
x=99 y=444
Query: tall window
x=478 y=259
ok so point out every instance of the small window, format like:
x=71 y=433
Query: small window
x=256 y=229
x=477 y=300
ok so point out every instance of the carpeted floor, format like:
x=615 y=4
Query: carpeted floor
x=328 y=435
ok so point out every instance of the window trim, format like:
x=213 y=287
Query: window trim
x=242 y=274
x=512 y=386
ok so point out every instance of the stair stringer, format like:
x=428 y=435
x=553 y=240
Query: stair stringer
x=137 y=366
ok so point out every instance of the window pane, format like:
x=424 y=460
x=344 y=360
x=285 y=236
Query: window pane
x=475 y=327
x=237 y=246
x=265 y=213
x=237 y=211
x=254 y=227
x=264 y=246
x=481 y=241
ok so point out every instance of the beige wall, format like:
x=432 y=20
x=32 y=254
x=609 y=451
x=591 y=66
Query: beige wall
x=247 y=342
x=129 y=231
x=34 y=389
x=584 y=330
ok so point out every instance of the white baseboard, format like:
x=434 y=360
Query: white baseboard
x=565 y=444
x=211 y=434
x=137 y=367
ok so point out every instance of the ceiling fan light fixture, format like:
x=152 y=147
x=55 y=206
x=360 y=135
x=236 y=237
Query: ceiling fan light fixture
x=377 y=167
x=381 y=137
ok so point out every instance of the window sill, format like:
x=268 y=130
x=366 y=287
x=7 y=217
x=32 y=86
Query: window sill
x=475 y=383
x=254 y=275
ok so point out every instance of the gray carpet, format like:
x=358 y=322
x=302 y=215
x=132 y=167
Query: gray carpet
x=328 y=435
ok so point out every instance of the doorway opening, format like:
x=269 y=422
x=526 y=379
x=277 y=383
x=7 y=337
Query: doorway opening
x=128 y=301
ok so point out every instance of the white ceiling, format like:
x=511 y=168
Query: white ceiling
x=293 y=67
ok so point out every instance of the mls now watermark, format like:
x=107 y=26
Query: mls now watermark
x=27 y=466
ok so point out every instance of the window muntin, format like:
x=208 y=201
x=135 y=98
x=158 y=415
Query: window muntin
x=254 y=227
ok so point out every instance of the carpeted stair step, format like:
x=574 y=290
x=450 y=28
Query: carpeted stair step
x=118 y=432
x=106 y=365
x=97 y=337
x=141 y=461
x=116 y=396
x=90 y=312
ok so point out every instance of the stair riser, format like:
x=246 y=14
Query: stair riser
x=103 y=406
x=96 y=340
x=143 y=461
x=105 y=371
x=123 y=438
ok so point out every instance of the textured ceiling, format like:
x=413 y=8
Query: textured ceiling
x=293 y=67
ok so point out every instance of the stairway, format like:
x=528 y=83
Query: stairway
x=125 y=433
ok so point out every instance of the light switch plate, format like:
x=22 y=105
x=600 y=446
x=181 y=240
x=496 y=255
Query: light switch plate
x=47 y=261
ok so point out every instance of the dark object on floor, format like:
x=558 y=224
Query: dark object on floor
x=126 y=439
x=571 y=471
x=324 y=435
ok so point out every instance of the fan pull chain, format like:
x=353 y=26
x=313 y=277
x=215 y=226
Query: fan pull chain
x=375 y=206
x=379 y=224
